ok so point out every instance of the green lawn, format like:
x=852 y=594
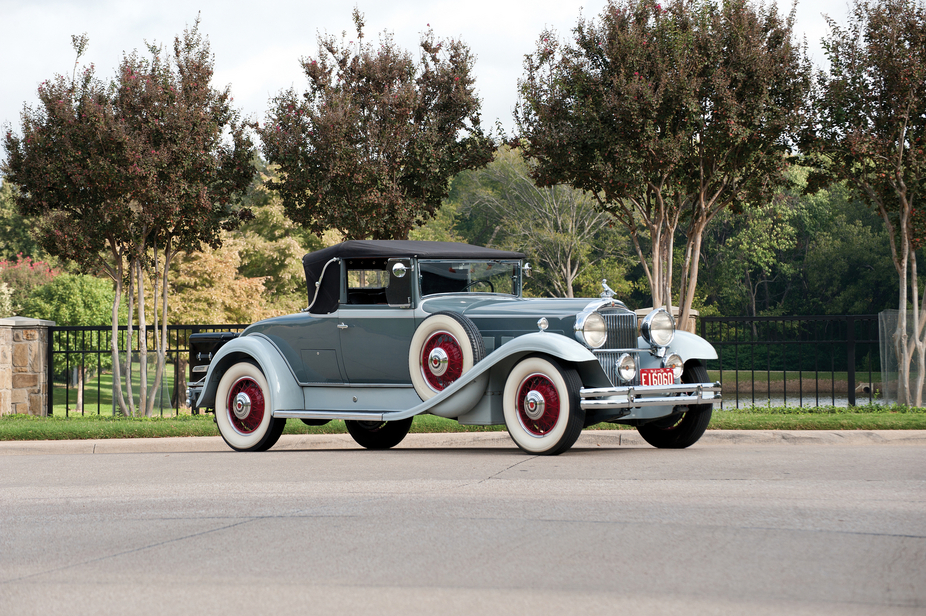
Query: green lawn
x=99 y=389
x=873 y=417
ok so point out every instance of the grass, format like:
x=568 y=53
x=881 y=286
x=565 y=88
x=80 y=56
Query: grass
x=98 y=393
x=869 y=417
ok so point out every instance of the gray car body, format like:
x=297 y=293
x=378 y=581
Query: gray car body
x=353 y=363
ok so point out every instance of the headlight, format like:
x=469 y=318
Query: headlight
x=658 y=327
x=595 y=331
x=675 y=364
x=626 y=367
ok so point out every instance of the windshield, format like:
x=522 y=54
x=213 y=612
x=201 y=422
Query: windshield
x=470 y=277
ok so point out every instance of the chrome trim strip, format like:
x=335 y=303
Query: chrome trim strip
x=633 y=350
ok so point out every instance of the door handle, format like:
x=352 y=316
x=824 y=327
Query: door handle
x=342 y=325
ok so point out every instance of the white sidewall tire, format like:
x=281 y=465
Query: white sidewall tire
x=430 y=326
x=524 y=439
x=232 y=436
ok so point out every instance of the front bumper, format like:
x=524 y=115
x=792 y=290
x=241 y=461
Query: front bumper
x=634 y=396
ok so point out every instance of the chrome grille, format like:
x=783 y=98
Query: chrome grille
x=622 y=334
x=622 y=329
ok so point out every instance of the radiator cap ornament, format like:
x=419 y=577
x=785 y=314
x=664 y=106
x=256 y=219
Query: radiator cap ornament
x=606 y=291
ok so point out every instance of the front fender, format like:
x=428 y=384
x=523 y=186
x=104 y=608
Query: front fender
x=285 y=392
x=689 y=346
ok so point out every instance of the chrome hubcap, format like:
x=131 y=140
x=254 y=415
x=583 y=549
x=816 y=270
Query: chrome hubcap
x=437 y=361
x=534 y=404
x=242 y=405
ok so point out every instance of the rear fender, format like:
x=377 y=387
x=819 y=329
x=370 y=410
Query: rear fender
x=285 y=392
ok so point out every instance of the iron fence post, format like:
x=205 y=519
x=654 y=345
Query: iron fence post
x=49 y=374
x=850 y=357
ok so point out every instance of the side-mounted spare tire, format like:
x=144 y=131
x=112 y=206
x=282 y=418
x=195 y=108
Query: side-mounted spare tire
x=445 y=346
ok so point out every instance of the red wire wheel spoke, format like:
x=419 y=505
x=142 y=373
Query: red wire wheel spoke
x=441 y=360
x=252 y=390
x=538 y=404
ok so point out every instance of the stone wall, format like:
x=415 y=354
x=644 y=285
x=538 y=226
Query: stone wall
x=23 y=366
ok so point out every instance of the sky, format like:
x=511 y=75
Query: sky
x=257 y=45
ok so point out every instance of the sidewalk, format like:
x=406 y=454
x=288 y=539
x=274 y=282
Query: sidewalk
x=589 y=439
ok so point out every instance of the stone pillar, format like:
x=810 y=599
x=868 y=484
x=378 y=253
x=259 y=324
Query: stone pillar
x=6 y=366
x=24 y=350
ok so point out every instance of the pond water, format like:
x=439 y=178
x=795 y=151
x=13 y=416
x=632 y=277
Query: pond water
x=809 y=400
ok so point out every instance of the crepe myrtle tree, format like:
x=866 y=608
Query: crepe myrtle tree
x=666 y=113
x=124 y=174
x=370 y=147
x=867 y=127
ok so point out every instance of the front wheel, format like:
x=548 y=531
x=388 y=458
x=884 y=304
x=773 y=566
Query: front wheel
x=542 y=407
x=379 y=434
x=242 y=409
x=684 y=430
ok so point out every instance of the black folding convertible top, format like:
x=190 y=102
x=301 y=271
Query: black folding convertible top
x=327 y=301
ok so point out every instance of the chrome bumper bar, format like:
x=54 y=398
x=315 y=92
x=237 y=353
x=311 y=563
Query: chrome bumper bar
x=633 y=396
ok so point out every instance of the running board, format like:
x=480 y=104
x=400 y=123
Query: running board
x=346 y=415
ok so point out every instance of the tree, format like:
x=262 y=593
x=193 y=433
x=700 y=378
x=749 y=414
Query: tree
x=867 y=127
x=369 y=149
x=23 y=276
x=72 y=299
x=127 y=173
x=211 y=290
x=556 y=226
x=272 y=245
x=667 y=115
x=15 y=230
x=820 y=253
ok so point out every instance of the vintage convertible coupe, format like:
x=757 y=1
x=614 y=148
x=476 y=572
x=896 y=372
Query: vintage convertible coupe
x=394 y=329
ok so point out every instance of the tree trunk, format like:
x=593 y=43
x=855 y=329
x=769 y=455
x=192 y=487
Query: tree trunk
x=114 y=342
x=142 y=344
x=162 y=343
x=128 y=339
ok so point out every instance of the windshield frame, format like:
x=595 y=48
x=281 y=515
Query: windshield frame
x=445 y=283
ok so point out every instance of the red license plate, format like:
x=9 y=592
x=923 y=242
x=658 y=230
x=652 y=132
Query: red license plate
x=656 y=376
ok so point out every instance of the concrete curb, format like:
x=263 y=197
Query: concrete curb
x=458 y=440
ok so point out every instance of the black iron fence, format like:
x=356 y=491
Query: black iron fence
x=80 y=366
x=803 y=360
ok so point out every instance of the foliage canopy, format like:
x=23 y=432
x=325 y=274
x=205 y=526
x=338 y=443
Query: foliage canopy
x=370 y=148
x=667 y=114
x=867 y=127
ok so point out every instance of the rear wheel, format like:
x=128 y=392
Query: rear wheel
x=541 y=404
x=683 y=430
x=242 y=410
x=379 y=434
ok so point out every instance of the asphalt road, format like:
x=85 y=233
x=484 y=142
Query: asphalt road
x=757 y=523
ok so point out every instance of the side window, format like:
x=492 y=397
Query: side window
x=367 y=282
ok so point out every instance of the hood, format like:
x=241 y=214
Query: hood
x=476 y=305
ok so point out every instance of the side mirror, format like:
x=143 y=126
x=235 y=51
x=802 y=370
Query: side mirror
x=528 y=272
